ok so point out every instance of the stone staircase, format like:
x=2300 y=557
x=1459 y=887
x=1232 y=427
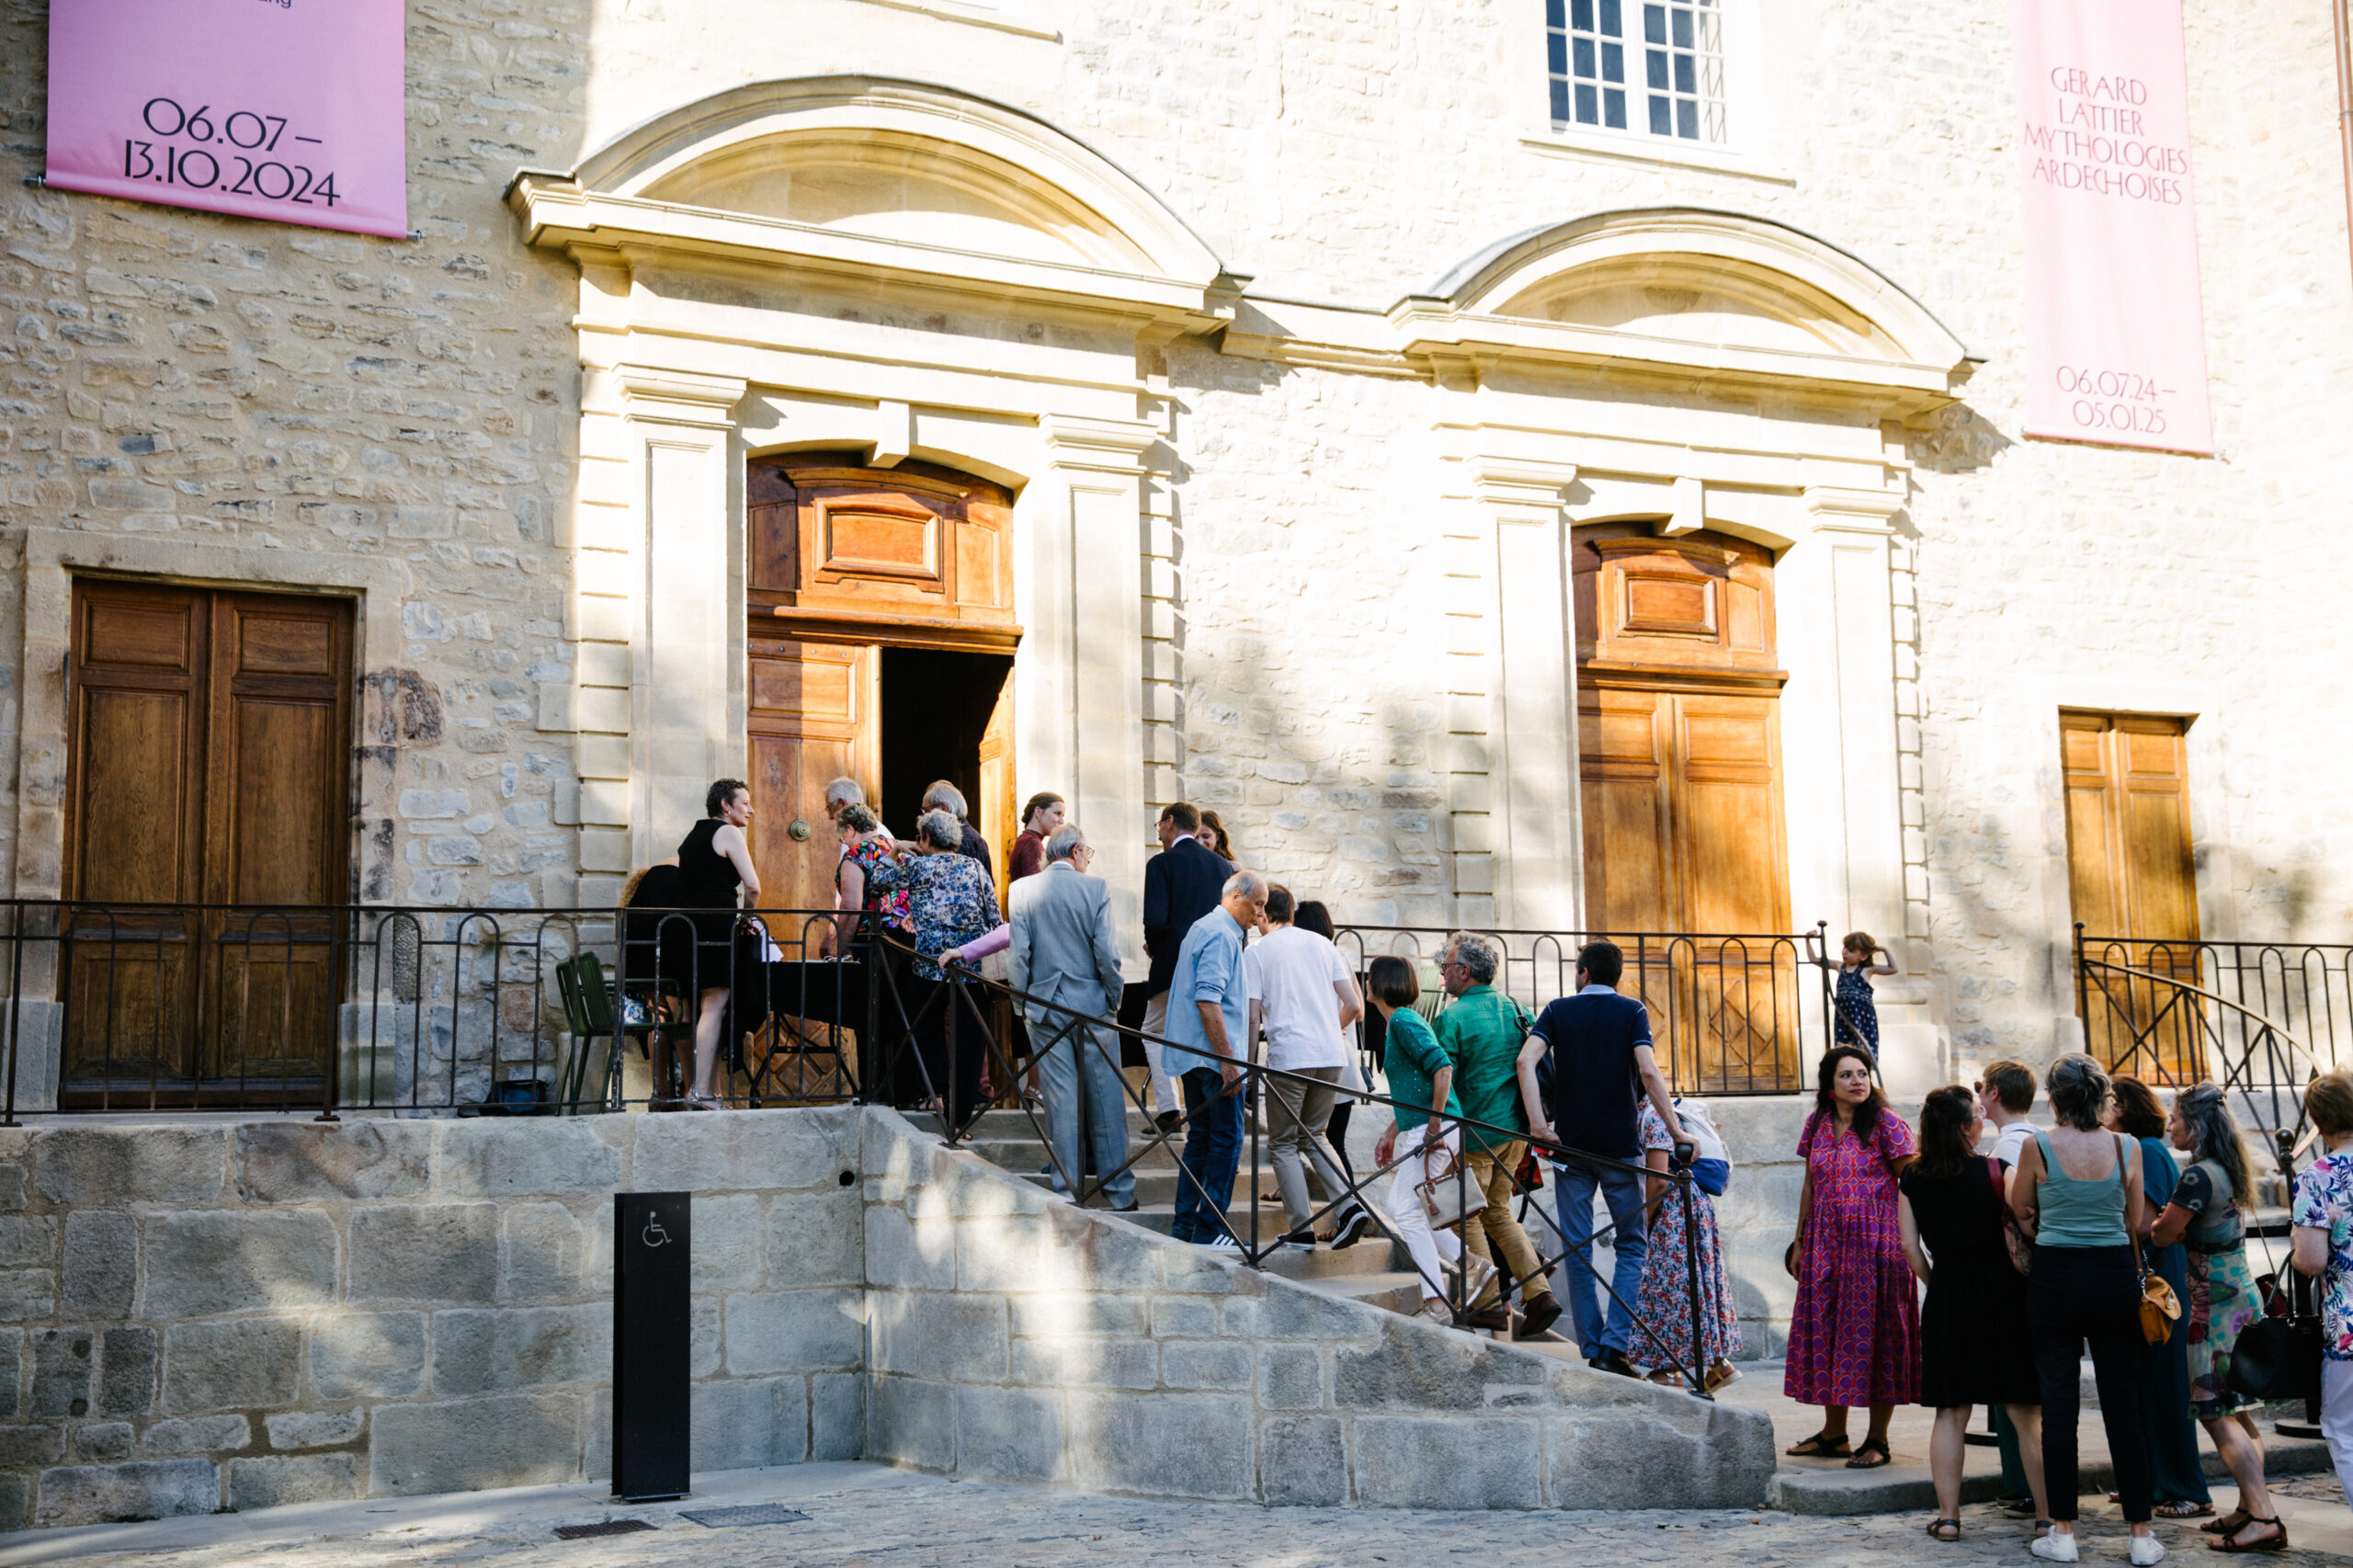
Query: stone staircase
x=1376 y=1270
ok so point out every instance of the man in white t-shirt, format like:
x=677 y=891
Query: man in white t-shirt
x=1302 y=996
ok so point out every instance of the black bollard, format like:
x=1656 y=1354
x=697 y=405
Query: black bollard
x=653 y=1256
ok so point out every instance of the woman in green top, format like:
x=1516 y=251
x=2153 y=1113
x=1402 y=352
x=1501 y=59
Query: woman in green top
x=2204 y=1215
x=1420 y=1073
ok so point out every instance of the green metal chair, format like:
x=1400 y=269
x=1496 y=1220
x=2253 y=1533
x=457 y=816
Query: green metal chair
x=588 y=1014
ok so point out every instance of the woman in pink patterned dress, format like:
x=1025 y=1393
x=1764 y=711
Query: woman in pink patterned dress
x=1854 y=1332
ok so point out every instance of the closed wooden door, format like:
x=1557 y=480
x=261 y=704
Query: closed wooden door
x=814 y=716
x=208 y=770
x=2133 y=881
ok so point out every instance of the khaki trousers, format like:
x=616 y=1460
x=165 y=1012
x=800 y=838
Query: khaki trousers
x=1493 y=1228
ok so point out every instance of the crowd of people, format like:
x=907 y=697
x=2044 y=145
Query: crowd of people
x=1926 y=1273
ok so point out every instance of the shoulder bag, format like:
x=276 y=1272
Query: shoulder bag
x=2160 y=1308
x=2015 y=1241
x=1448 y=1196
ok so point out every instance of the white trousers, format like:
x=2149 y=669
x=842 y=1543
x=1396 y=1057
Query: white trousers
x=2337 y=1419
x=1166 y=1095
x=1432 y=1250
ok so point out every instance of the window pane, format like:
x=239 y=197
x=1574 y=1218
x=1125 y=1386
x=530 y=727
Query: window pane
x=1585 y=59
x=1662 y=118
x=1560 y=98
x=1581 y=14
x=1655 y=61
x=1552 y=14
x=1613 y=61
x=1687 y=119
x=1585 y=112
x=1683 y=74
x=1654 y=24
x=1613 y=108
x=1557 y=46
x=1682 y=29
x=1610 y=25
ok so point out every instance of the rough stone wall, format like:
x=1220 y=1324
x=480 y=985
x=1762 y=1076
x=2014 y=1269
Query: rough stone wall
x=243 y=1315
x=216 y=381
x=1015 y=1338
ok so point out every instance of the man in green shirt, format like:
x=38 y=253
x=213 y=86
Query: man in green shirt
x=1481 y=1030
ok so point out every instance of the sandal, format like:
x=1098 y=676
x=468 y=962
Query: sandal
x=2228 y=1524
x=2184 y=1509
x=1821 y=1446
x=1870 y=1446
x=1938 y=1528
x=2268 y=1543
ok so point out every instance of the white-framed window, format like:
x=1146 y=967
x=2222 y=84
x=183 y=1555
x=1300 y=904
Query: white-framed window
x=1648 y=67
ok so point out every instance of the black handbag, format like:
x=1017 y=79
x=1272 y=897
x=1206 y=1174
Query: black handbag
x=2276 y=1358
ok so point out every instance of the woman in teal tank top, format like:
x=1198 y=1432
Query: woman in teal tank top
x=2077 y=1191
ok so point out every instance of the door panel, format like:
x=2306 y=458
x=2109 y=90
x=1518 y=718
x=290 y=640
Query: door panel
x=813 y=718
x=2133 y=881
x=1629 y=844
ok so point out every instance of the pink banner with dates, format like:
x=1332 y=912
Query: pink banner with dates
x=289 y=110
x=2115 y=329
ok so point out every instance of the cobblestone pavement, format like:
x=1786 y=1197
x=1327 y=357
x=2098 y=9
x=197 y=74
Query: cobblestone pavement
x=867 y=1515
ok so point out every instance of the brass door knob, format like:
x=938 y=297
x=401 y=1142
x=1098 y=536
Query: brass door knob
x=798 y=830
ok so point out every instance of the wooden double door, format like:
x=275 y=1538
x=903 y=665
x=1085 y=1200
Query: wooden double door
x=880 y=644
x=2132 y=880
x=208 y=834
x=1679 y=742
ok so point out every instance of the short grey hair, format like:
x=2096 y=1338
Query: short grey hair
x=947 y=797
x=1475 y=954
x=940 y=830
x=2078 y=1089
x=1065 y=842
x=1249 y=884
x=844 y=791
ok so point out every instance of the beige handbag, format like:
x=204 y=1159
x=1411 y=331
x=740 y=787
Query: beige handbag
x=1447 y=1197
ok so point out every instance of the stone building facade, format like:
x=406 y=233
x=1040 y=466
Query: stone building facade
x=1316 y=362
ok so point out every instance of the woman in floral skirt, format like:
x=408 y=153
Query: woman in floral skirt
x=1854 y=1331
x=1663 y=1305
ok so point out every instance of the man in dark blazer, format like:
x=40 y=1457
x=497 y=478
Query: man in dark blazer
x=1181 y=886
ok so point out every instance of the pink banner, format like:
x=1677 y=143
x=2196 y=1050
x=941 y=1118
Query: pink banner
x=2115 y=330
x=291 y=111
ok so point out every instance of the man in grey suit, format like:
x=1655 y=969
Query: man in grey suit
x=1063 y=953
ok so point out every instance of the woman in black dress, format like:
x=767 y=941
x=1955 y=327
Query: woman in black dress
x=1973 y=1344
x=713 y=860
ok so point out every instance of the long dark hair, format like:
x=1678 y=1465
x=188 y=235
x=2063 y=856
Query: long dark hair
x=1825 y=1089
x=1945 y=1116
x=2214 y=1135
x=2137 y=1110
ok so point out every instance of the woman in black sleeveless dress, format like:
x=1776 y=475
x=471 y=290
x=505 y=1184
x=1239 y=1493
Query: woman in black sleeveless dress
x=714 y=859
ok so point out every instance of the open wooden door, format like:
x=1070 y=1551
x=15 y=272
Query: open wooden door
x=814 y=716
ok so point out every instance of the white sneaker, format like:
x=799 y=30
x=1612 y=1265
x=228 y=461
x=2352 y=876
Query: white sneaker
x=2147 y=1549
x=1221 y=1243
x=2057 y=1548
x=1438 y=1313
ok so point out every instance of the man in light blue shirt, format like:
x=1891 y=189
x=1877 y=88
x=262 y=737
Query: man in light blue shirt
x=1208 y=1030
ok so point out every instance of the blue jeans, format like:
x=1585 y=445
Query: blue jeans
x=1572 y=1190
x=1083 y=1065
x=1212 y=1153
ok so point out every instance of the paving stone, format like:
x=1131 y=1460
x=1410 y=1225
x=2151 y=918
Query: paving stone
x=817 y=1238
x=128 y=1361
x=93 y=1167
x=101 y=1275
x=149 y=1489
x=308 y=1162
x=738 y=1423
x=1009 y=1434
x=546 y=1250
x=308 y=1478
x=1302 y=1461
x=189 y=1435
x=1191 y=1445
x=498 y=1348
x=795 y=1331
x=245 y=1364
x=314 y=1429
x=367 y=1356
x=425 y=1252
x=61 y=1368
x=528 y=1157
x=503 y=1440
x=1421 y=1461
x=200 y=1262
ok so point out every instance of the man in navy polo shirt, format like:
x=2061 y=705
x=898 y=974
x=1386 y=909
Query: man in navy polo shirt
x=1602 y=1065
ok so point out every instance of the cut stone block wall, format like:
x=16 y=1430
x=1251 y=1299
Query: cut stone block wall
x=237 y=1316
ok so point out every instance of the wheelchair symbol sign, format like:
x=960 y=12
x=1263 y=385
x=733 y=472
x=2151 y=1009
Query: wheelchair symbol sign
x=654 y=1235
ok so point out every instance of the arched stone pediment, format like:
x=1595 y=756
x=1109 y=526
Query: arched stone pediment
x=881 y=177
